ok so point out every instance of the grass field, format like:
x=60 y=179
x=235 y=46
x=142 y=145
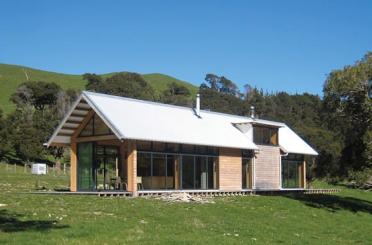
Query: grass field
x=11 y=76
x=344 y=218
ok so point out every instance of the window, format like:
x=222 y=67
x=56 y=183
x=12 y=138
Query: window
x=95 y=126
x=247 y=169
x=144 y=170
x=265 y=135
x=292 y=171
x=152 y=146
x=166 y=170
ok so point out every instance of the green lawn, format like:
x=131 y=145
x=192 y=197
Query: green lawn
x=344 y=218
x=11 y=76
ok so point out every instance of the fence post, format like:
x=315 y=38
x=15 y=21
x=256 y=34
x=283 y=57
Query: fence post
x=15 y=168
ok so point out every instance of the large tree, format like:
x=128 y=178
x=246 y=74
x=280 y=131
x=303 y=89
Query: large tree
x=36 y=93
x=220 y=94
x=5 y=145
x=127 y=84
x=176 y=94
x=39 y=107
x=349 y=110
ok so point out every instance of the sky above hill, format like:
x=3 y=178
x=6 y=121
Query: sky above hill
x=274 y=45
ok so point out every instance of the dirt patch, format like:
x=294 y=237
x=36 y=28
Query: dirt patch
x=184 y=197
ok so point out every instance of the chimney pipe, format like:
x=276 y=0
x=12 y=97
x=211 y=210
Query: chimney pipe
x=197 y=109
x=252 y=111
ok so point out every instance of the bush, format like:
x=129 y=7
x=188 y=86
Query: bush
x=361 y=179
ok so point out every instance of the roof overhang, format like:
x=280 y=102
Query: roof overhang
x=67 y=127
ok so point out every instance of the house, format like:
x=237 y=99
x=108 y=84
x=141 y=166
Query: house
x=123 y=144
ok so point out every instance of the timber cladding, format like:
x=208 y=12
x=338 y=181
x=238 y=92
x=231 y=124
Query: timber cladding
x=230 y=169
x=267 y=168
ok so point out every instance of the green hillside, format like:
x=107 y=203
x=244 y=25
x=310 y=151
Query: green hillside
x=12 y=75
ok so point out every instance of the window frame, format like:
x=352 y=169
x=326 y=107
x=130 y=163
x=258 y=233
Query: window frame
x=259 y=136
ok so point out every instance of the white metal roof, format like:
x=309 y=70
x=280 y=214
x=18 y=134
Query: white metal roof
x=145 y=120
x=290 y=142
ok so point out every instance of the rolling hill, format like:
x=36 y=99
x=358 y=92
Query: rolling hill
x=11 y=76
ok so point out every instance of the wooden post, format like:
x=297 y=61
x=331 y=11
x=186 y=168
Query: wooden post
x=123 y=163
x=73 y=165
x=177 y=170
x=132 y=166
x=304 y=174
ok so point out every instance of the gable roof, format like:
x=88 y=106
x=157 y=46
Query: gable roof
x=151 y=121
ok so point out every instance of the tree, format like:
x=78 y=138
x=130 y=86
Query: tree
x=40 y=106
x=349 y=110
x=176 y=94
x=5 y=145
x=37 y=93
x=222 y=85
x=219 y=94
x=93 y=80
x=125 y=84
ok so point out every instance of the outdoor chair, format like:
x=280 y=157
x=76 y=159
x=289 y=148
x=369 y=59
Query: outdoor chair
x=139 y=183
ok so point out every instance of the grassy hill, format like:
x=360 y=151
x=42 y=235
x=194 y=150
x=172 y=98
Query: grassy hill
x=11 y=76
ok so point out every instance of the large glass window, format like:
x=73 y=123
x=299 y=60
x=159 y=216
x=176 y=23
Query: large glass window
x=175 y=171
x=106 y=167
x=211 y=172
x=171 y=167
x=98 y=167
x=247 y=173
x=159 y=171
x=188 y=172
x=155 y=171
x=85 y=180
x=265 y=135
x=144 y=171
x=292 y=171
x=161 y=147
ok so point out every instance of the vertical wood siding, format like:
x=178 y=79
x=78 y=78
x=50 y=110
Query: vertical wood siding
x=230 y=169
x=267 y=168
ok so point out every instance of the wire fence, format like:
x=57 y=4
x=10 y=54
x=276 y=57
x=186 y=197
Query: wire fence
x=53 y=170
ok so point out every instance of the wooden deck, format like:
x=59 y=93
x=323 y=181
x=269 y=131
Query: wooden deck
x=202 y=193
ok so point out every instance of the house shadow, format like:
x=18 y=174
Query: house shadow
x=11 y=222
x=333 y=203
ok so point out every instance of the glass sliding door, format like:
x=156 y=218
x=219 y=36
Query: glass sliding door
x=171 y=171
x=159 y=171
x=106 y=167
x=200 y=173
x=144 y=171
x=187 y=172
x=291 y=171
x=85 y=181
x=212 y=177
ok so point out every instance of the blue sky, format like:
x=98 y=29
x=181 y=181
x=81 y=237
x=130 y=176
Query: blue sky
x=274 y=45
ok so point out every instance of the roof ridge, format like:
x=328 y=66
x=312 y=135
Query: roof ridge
x=172 y=106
